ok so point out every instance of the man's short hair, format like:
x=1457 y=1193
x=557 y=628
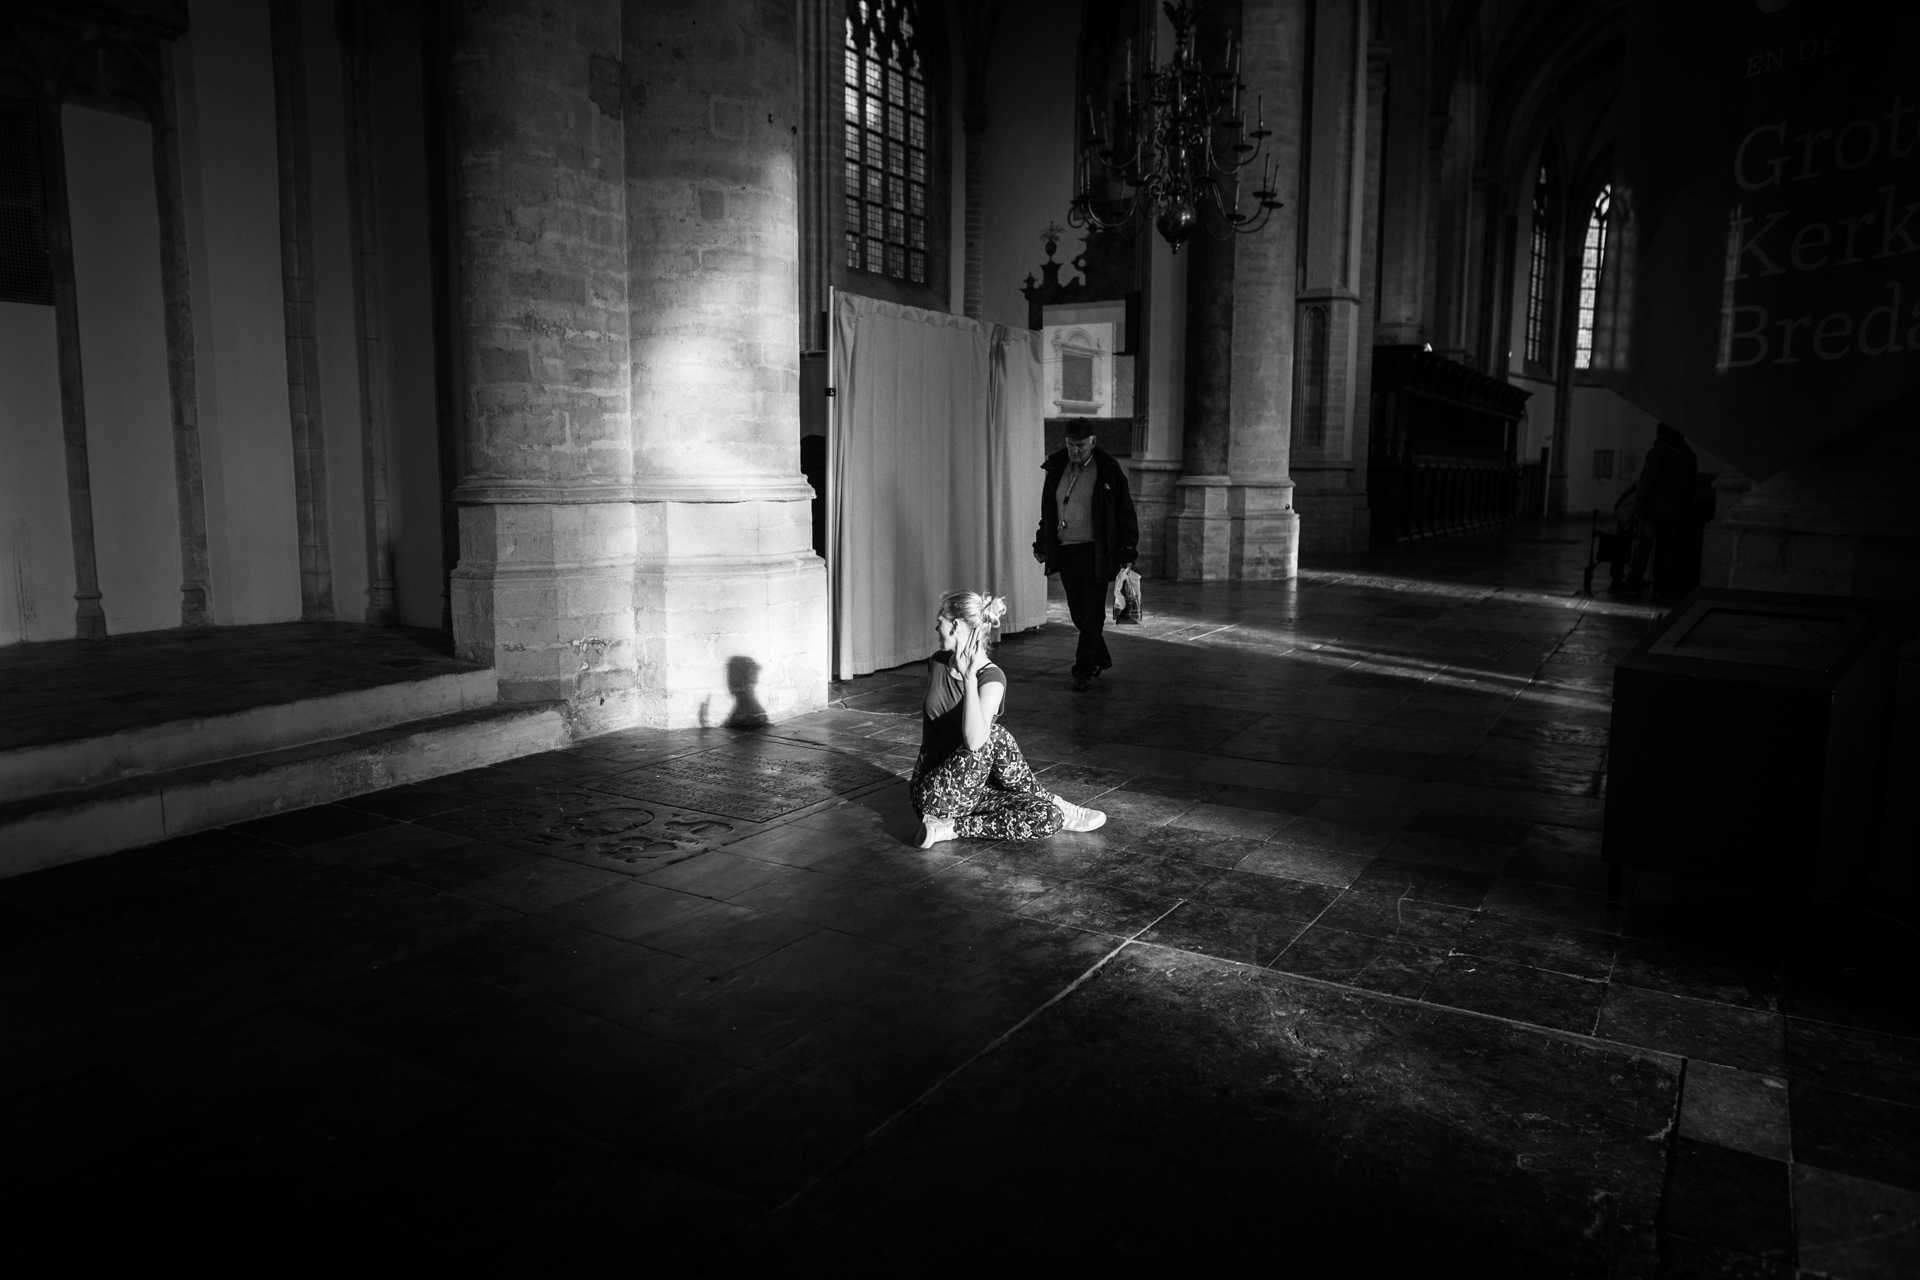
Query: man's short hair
x=1075 y=433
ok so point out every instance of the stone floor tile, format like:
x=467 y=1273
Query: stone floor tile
x=1575 y=952
x=459 y=865
x=311 y=826
x=1140 y=872
x=1266 y=799
x=618 y=981
x=864 y=1058
x=376 y=848
x=1231 y=933
x=1276 y=895
x=1864 y=1137
x=843 y=966
x=1314 y=866
x=1873 y=998
x=1743 y=1110
x=540 y=884
x=1553 y=904
x=1080 y=783
x=1856 y=1060
x=1732 y=1037
x=1361 y=813
x=718 y=874
x=1389 y=877
x=983 y=885
x=1581 y=871
x=762 y=1137
x=1441 y=851
x=406 y=803
x=1261 y=744
x=729 y=937
x=98 y=890
x=1131 y=1062
x=1393 y=966
x=1853 y=1227
x=1097 y=908
x=1729 y=975
x=632 y=911
x=742 y=1019
x=1480 y=828
x=1192 y=845
x=1136 y=809
x=1517 y=992
x=1316 y=837
x=1249 y=824
x=1384 y=916
x=1729 y=1198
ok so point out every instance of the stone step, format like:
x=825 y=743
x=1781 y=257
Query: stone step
x=179 y=744
x=66 y=826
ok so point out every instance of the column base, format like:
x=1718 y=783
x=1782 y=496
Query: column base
x=1198 y=530
x=544 y=595
x=1153 y=502
x=1265 y=539
x=731 y=614
x=1223 y=530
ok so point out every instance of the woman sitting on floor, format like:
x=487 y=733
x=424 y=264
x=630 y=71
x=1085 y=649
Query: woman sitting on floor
x=971 y=781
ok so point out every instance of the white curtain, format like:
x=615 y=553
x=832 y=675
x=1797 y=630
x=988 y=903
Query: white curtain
x=934 y=476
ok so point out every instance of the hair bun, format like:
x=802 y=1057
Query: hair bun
x=993 y=609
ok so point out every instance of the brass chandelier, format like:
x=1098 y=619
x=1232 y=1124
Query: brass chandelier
x=1179 y=145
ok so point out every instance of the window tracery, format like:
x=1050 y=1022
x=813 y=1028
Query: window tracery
x=1593 y=256
x=885 y=115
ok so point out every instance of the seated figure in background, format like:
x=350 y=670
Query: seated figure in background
x=971 y=782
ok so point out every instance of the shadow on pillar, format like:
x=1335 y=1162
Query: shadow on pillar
x=743 y=677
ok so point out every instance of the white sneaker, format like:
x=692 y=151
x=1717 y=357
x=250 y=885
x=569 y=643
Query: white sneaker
x=1078 y=818
x=935 y=830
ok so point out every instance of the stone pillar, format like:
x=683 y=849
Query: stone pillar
x=1264 y=541
x=730 y=599
x=1196 y=541
x=1235 y=517
x=1333 y=326
x=544 y=586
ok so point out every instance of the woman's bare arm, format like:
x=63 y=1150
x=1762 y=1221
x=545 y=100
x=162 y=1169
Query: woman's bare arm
x=978 y=706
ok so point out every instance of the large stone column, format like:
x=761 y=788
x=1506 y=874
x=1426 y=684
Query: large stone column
x=1262 y=530
x=1198 y=528
x=544 y=587
x=1333 y=338
x=730 y=599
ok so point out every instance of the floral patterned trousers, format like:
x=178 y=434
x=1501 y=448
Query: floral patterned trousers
x=990 y=794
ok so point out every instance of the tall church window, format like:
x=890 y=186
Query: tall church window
x=1539 y=273
x=887 y=162
x=1593 y=254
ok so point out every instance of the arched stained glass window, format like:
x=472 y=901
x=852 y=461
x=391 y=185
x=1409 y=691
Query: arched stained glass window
x=887 y=142
x=1539 y=264
x=1593 y=255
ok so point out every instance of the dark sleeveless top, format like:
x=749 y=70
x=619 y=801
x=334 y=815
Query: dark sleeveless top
x=942 y=715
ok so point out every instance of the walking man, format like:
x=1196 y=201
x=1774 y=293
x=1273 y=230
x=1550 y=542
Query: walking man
x=1087 y=534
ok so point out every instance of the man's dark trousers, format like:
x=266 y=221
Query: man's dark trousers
x=1087 y=598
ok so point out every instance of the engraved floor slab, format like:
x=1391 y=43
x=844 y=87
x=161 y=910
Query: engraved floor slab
x=755 y=785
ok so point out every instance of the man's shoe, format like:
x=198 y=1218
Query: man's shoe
x=1078 y=818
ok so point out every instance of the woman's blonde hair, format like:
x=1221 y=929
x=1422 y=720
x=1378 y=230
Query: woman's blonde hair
x=981 y=613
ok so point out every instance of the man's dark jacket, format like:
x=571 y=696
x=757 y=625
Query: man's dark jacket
x=1116 y=532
